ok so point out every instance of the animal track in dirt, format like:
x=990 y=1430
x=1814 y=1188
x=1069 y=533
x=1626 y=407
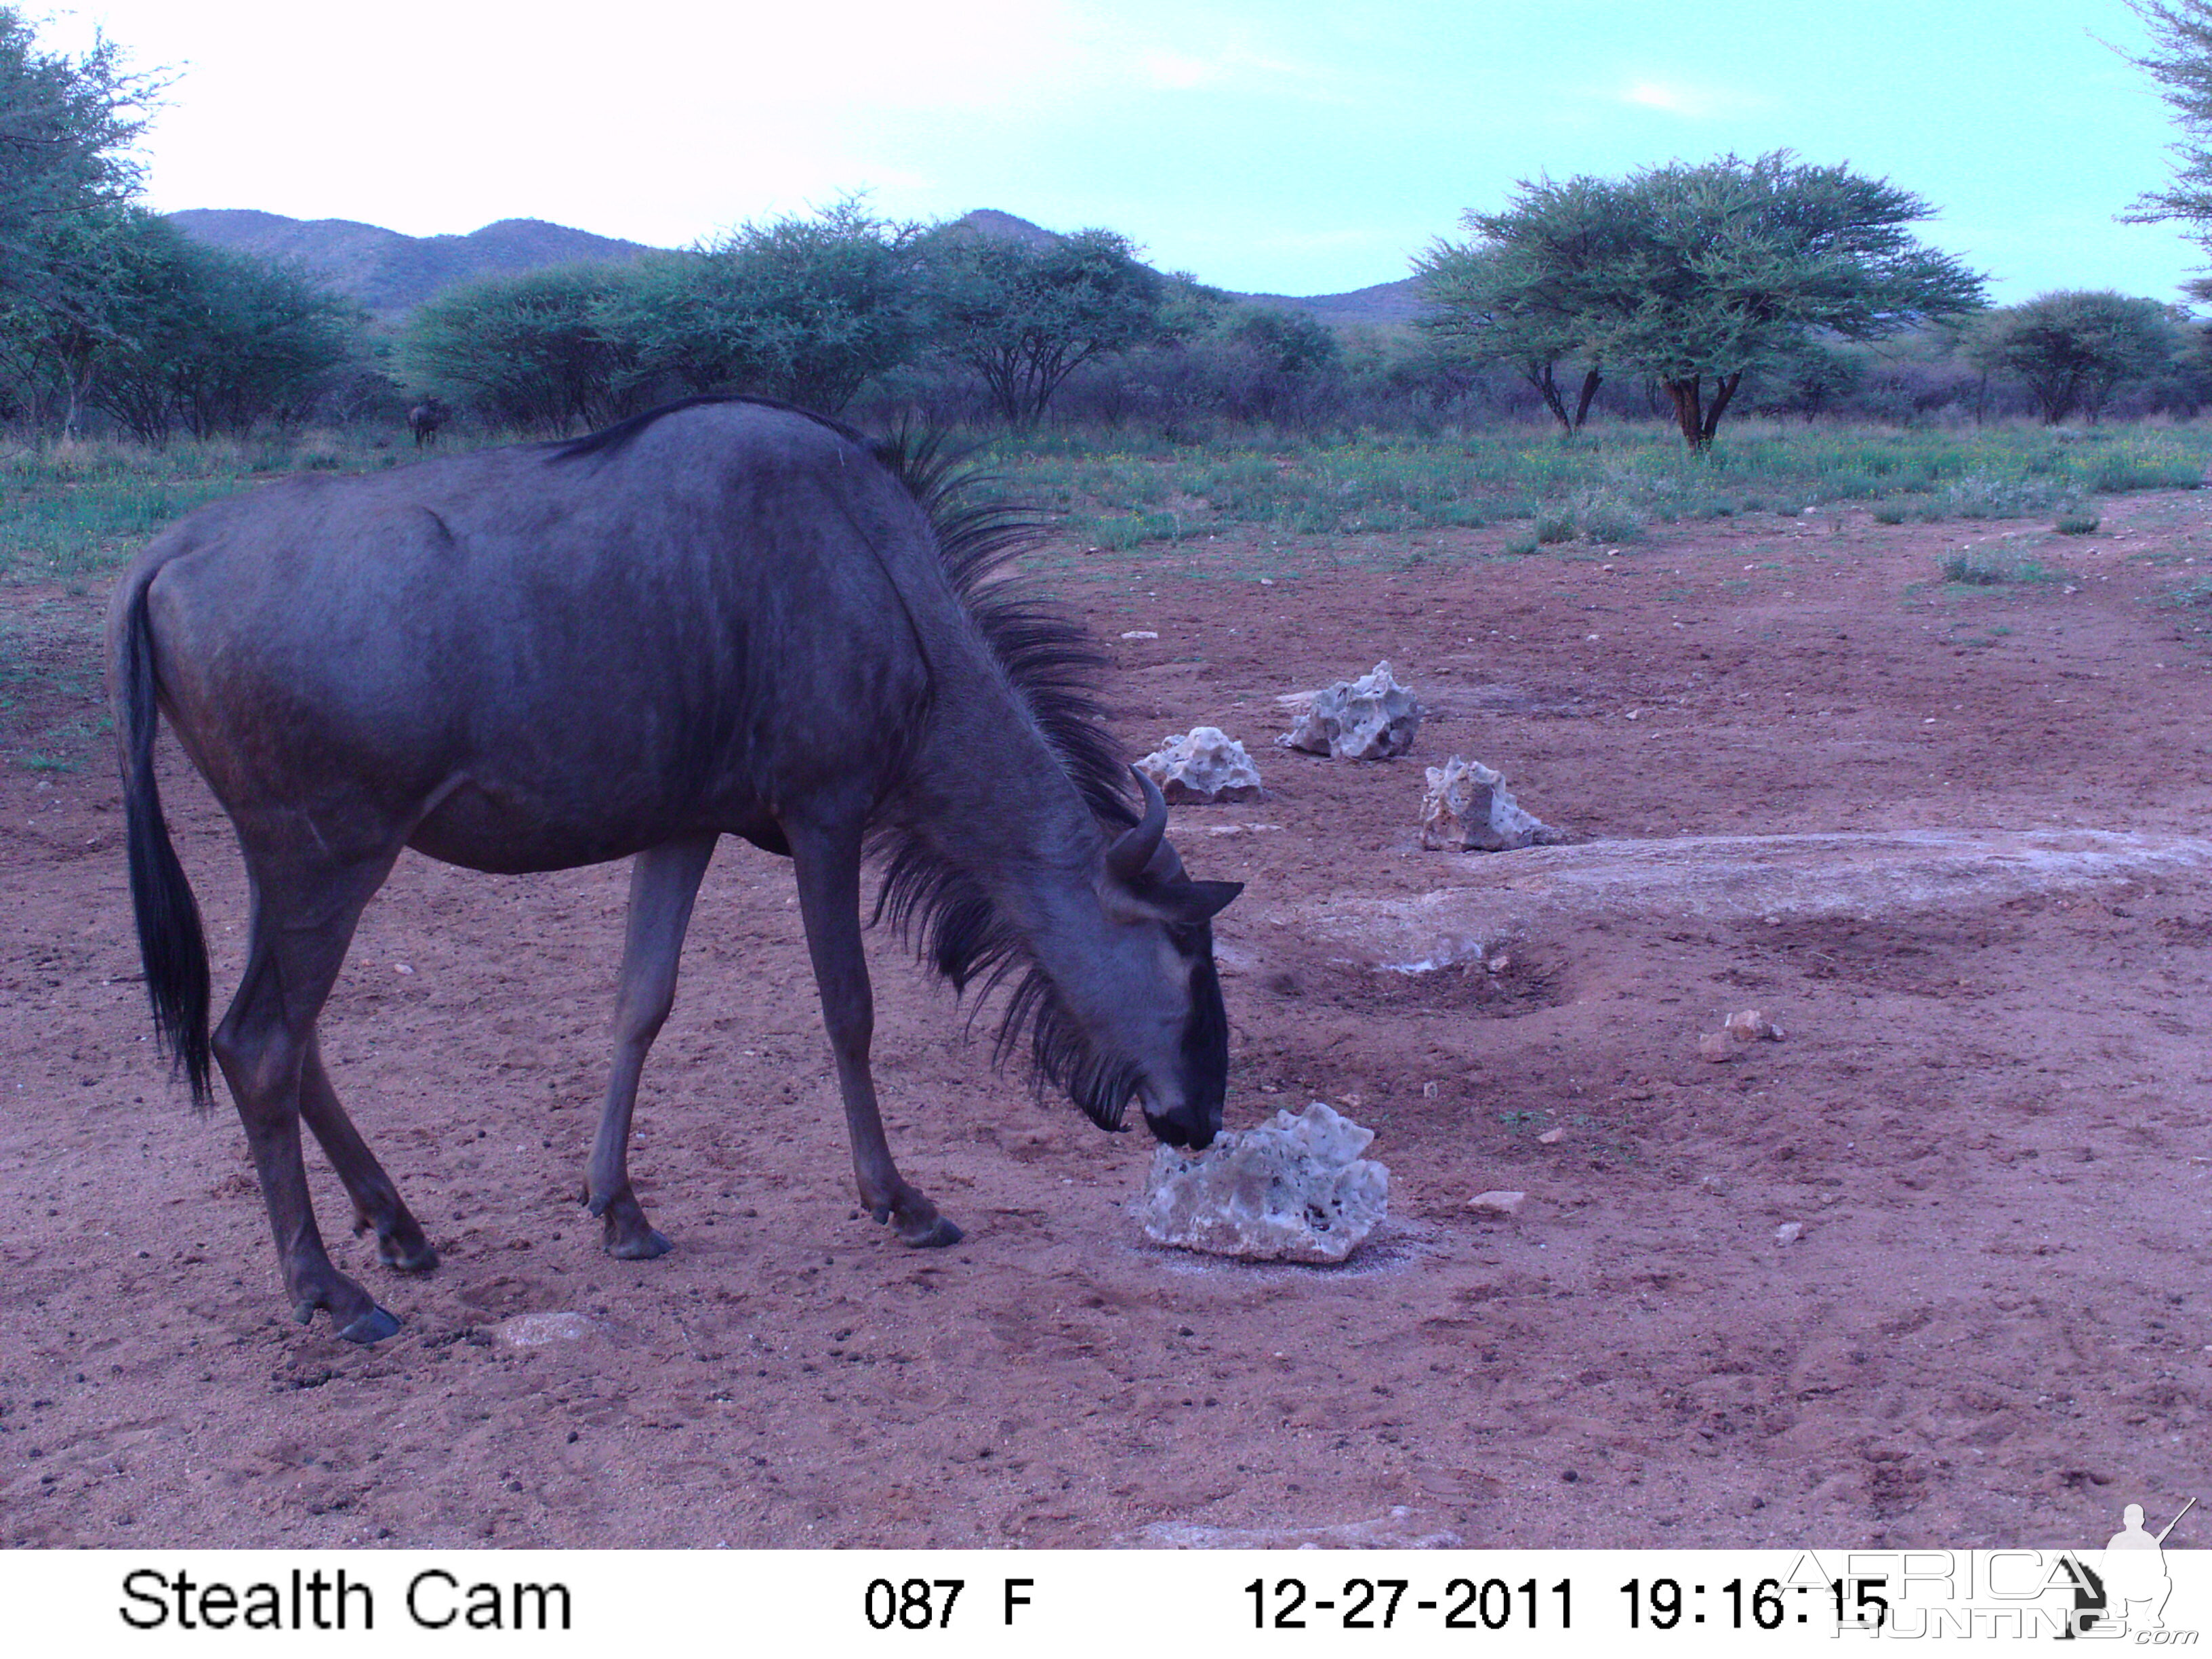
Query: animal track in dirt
x=1923 y=955
x=507 y=1295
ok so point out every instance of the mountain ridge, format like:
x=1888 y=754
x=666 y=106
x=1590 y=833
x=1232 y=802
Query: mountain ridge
x=390 y=273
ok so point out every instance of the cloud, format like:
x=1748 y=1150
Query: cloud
x=1693 y=103
x=1173 y=72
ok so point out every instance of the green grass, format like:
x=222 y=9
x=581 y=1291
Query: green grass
x=2196 y=594
x=1119 y=493
x=1977 y=568
x=70 y=514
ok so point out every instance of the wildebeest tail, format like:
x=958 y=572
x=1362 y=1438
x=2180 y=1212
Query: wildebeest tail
x=170 y=942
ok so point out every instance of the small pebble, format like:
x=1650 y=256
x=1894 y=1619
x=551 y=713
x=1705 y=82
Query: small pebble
x=1499 y=1203
x=1790 y=1232
x=1751 y=1025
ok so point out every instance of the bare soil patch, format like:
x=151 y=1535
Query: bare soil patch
x=1948 y=839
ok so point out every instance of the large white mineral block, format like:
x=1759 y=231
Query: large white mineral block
x=1468 y=809
x=1371 y=718
x=1204 y=764
x=1295 y=1189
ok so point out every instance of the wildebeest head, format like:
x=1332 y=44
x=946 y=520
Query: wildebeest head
x=1140 y=1017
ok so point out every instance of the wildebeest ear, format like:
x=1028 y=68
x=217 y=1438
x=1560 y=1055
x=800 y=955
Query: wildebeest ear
x=1193 y=902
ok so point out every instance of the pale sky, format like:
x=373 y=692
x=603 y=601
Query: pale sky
x=1282 y=146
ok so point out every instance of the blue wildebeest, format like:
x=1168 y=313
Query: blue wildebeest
x=722 y=617
x=424 y=420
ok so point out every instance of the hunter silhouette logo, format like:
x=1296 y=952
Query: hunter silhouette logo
x=2127 y=1589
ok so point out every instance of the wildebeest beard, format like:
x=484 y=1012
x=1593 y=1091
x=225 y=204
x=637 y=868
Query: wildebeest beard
x=959 y=932
x=1053 y=665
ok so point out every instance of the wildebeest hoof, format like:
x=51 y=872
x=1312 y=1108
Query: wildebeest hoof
x=419 y=1257
x=934 y=1237
x=372 y=1327
x=641 y=1246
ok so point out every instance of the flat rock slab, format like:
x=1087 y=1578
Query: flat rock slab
x=1474 y=901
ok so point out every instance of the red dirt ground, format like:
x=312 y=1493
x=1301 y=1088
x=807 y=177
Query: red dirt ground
x=1989 y=1117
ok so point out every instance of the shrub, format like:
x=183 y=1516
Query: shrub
x=1603 y=516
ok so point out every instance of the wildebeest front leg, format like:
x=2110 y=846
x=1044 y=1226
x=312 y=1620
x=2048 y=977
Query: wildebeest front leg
x=664 y=881
x=376 y=1202
x=827 y=866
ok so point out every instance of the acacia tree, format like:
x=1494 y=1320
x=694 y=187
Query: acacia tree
x=2180 y=58
x=1514 y=295
x=160 y=332
x=2073 y=350
x=1697 y=276
x=66 y=128
x=529 y=350
x=1025 y=317
x=806 y=309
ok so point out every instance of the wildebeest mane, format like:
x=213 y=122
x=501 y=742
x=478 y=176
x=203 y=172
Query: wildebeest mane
x=1052 y=664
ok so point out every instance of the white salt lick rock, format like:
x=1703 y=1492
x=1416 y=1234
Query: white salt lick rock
x=1204 y=764
x=1371 y=718
x=1468 y=809
x=1295 y=1189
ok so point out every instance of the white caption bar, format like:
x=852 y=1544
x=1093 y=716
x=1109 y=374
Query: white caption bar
x=985 y=1602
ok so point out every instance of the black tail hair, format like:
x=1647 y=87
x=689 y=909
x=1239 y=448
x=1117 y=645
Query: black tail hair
x=172 y=944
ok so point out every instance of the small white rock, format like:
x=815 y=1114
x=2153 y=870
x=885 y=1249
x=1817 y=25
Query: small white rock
x=1790 y=1232
x=1499 y=1203
x=1751 y=1025
x=537 y=1330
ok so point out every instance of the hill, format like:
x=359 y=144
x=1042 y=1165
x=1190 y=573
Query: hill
x=1381 y=305
x=390 y=273
x=1384 y=305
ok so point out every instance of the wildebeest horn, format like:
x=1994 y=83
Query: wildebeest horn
x=1132 y=850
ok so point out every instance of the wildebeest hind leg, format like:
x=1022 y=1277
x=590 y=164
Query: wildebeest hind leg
x=376 y=1201
x=664 y=880
x=828 y=865
x=303 y=920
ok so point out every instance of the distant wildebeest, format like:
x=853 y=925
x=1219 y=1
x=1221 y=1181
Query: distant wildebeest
x=721 y=617
x=424 y=420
